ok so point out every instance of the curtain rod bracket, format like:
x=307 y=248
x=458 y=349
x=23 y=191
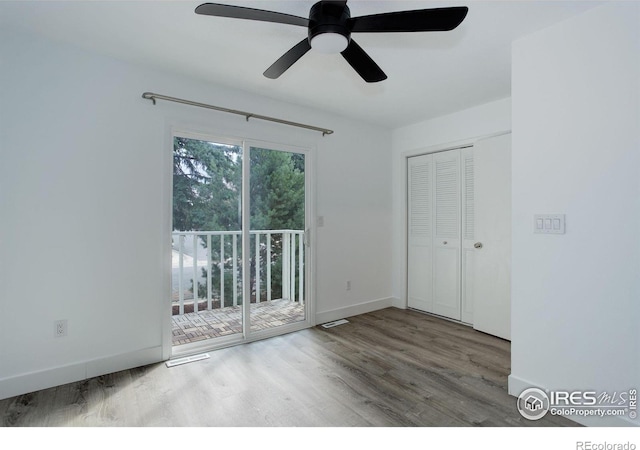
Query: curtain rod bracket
x=151 y=96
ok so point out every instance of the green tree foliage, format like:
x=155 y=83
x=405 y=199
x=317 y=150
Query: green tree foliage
x=206 y=186
x=277 y=190
x=207 y=182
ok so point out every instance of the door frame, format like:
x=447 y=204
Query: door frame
x=168 y=350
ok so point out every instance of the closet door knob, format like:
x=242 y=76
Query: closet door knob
x=444 y=242
x=478 y=245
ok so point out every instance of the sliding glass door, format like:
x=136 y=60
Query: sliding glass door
x=233 y=199
x=277 y=223
x=206 y=240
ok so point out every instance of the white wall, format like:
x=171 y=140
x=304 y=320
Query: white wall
x=465 y=126
x=84 y=219
x=576 y=151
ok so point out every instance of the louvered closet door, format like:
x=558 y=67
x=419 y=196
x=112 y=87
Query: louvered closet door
x=468 y=235
x=446 y=236
x=420 y=218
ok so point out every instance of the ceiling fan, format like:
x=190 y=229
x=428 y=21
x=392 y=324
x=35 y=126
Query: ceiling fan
x=330 y=26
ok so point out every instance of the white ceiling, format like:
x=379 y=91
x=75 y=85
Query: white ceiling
x=430 y=74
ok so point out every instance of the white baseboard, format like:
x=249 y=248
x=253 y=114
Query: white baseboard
x=517 y=385
x=398 y=303
x=353 y=310
x=56 y=376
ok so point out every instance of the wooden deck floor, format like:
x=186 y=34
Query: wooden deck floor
x=207 y=324
x=386 y=368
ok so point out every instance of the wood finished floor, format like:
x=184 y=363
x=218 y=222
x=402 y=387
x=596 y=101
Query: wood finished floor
x=387 y=368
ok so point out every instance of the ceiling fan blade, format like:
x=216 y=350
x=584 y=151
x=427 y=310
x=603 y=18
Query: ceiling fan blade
x=240 y=12
x=288 y=59
x=362 y=63
x=435 y=19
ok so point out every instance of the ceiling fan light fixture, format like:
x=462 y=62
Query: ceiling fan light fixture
x=329 y=43
x=329 y=29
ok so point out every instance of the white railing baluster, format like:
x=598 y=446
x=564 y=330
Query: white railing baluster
x=257 y=267
x=292 y=268
x=268 y=262
x=285 y=265
x=234 y=244
x=181 y=272
x=221 y=270
x=301 y=268
x=209 y=272
x=195 y=273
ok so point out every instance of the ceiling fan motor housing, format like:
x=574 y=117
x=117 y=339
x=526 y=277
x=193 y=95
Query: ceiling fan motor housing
x=329 y=17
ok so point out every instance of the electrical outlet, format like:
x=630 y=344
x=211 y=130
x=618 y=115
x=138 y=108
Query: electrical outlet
x=348 y=285
x=60 y=328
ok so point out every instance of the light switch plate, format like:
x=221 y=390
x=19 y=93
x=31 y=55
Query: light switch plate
x=549 y=223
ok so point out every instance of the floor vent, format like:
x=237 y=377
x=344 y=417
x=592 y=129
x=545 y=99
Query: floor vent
x=186 y=359
x=335 y=323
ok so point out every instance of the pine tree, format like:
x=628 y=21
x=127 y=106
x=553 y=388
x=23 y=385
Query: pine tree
x=207 y=197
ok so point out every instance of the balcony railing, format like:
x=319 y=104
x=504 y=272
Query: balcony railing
x=207 y=268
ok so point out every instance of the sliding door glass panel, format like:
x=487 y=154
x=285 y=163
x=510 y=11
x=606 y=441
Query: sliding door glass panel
x=277 y=250
x=206 y=244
